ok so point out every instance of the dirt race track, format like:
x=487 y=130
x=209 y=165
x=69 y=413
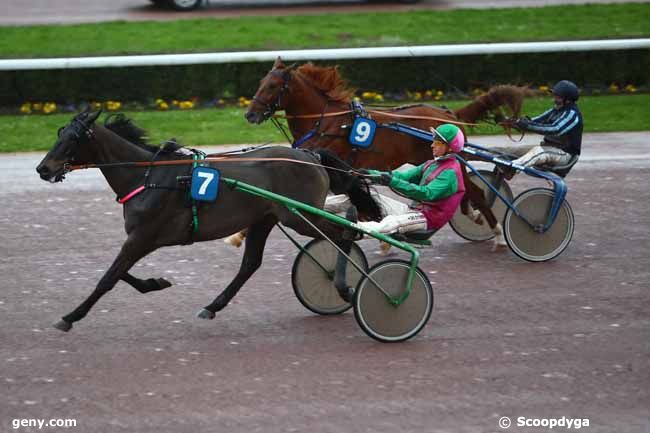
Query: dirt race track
x=568 y=338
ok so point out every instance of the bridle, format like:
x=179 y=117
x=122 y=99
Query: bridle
x=272 y=107
x=81 y=133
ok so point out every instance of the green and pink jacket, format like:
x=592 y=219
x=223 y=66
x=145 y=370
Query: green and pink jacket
x=436 y=186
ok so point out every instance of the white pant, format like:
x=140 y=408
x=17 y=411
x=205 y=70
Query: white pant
x=398 y=216
x=541 y=155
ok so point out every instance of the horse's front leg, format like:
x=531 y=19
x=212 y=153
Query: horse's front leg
x=133 y=250
x=253 y=253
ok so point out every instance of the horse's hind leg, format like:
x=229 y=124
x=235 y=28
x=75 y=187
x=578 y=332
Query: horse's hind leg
x=145 y=286
x=255 y=242
x=477 y=199
x=340 y=271
x=236 y=239
x=133 y=250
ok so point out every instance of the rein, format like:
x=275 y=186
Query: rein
x=139 y=164
x=382 y=113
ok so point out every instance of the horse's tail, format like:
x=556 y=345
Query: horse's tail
x=356 y=188
x=504 y=95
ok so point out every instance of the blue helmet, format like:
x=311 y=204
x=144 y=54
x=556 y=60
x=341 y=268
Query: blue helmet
x=567 y=90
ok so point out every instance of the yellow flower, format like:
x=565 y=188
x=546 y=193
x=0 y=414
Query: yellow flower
x=613 y=88
x=162 y=105
x=95 y=105
x=186 y=105
x=630 y=88
x=417 y=96
x=428 y=93
x=379 y=97
x=544 y=89
x=113 y=105
x=26 y=108
x=368 y=95
x=49 y=107
x=37 y=106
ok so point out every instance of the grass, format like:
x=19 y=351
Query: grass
x=325 y=31
x=197 y=128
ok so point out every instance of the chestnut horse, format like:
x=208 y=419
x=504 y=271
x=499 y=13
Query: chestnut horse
x=317 y=103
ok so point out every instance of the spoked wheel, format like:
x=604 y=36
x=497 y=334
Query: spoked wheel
x=313 y=283
x=528 y=244
x=465 y=227
x=378 y=317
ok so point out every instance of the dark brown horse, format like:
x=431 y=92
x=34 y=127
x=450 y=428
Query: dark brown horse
x=317 y=101
x=157 y=213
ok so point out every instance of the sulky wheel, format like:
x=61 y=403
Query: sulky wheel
x=528 y=244
x=466 y=227
x=313 y=283
x=379 y=318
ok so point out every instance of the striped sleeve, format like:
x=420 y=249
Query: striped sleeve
x=542 y=117
x=563 y=124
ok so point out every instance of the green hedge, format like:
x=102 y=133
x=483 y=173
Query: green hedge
x=588 y=69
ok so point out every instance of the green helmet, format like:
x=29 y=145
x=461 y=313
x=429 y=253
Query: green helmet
x=452 y=135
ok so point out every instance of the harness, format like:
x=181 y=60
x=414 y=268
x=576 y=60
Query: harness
x=183 y=183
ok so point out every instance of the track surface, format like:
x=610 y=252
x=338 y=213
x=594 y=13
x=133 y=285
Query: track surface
x=507 y=338
x=20 y=12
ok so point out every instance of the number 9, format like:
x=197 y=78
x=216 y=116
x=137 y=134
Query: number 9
x=362 y=131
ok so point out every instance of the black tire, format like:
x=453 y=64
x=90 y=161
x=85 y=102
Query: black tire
x=184 y=5
x=465 y=227
x=379 y=318
x=528 y=244
x=314 y=289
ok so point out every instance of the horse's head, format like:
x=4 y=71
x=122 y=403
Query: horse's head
x=68 y=147
x=271 y=95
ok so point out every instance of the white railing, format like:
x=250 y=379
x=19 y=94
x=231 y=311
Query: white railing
x=326 y=54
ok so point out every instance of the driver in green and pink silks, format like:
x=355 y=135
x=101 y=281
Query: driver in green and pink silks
x=436 y=188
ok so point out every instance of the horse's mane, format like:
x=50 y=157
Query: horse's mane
x=125 y=128
x=329 y=81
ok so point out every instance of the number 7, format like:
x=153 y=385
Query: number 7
x=208 y=178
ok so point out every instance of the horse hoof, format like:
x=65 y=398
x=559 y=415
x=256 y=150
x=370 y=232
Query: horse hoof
x=62 y=325
x=205 y=314
x=163 y=283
